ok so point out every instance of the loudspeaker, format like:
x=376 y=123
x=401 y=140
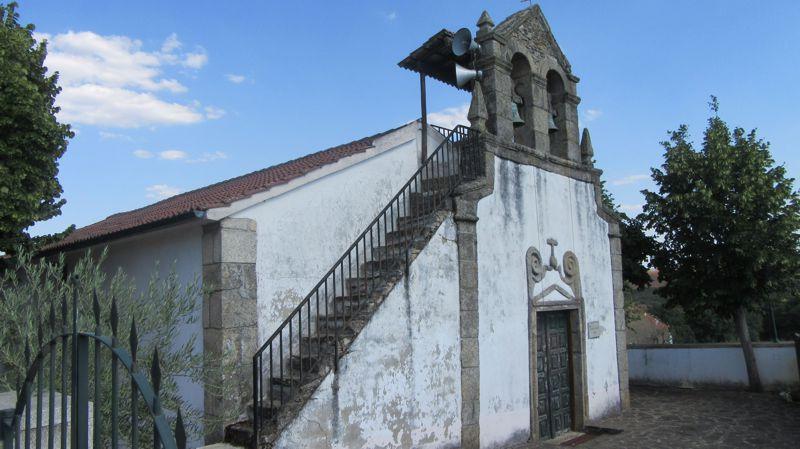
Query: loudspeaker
x=463 y=42
x=465 y=75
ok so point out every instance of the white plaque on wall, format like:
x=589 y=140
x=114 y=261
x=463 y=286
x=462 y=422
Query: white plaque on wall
x=594 y=329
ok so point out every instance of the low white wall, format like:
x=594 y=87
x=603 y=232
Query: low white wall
x=530 y=205
x=399 y=386
x=711 y=365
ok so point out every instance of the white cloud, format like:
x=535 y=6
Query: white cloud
x=92 y=104
x=143 y=154
x=208 y=157
x=161 y=191
x=390 y=16
x=113 y=61
x=632 y=179
x=173 y=155
x=450 y=117
x=171 y=43
x=213 y=113
x=180 y=155
x=591 y=115
x=105 y=135
x=632 y=209
x=195 y=60
x=112 y=81
x=236 y=79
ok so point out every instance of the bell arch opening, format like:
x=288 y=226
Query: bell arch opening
x=556 y=127
x=522 y=100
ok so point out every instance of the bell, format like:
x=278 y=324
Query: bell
x=516 y=118
x=551 y=127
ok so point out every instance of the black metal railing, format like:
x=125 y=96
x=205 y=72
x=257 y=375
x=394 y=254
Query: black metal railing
x=67 y=356
x=308 y=342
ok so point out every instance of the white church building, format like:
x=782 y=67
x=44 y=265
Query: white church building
x=418 y=288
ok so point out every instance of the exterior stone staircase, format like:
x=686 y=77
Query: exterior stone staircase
x=307 y=347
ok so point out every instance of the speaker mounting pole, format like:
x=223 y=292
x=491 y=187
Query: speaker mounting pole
x=424 y=107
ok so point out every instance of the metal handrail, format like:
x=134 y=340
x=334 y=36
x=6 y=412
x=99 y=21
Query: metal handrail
x=372 y=255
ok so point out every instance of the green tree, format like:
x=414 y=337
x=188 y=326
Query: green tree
x=729 y=219
x=31 y=138
x=637 y=246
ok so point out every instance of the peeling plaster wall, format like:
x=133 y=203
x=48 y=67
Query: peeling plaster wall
x=302 y=232
x=137 y=257
x=399 y=386
x=528 y=206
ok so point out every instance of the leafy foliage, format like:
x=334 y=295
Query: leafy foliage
x=31 y=138
x=637 y=246
x=729 y=219
x=32 y=287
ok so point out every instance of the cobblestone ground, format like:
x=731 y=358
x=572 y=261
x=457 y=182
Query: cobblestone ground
x=688 y=419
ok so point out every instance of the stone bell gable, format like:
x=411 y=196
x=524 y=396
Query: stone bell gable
x=524 y=68
x=528 y=32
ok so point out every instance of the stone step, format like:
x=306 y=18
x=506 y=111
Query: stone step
x=421 y=203
x=307 y=361
x=220 y=446
x=390 y=252
x=288 y=386
x=240 y=434
x=440 y=183
x=415 y=222
x=351 y=305
x=437 y=170
x=387 y=269
x=339 y=324
x=357 y=287
x=405 y=234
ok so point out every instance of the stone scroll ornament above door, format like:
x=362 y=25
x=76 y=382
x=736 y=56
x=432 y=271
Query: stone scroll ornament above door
x=568 y=271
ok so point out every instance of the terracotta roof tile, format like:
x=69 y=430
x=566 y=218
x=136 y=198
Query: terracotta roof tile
x=216 y=195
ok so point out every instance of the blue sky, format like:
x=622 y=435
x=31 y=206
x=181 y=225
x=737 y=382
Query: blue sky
x=170 y=96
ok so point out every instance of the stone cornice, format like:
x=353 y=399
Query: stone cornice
x=492 y=35
x=530 y=156
x=493 y=62
x=572 y=99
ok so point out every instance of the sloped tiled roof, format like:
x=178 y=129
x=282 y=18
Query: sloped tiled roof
x=221 y=194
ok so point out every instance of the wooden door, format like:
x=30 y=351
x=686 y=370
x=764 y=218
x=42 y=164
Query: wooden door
x=553 y=374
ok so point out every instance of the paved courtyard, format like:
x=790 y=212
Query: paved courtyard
x=687 y=419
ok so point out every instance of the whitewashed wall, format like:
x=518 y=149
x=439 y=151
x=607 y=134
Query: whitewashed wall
x=719 y=365
x=400 y=384
x=303 y=231
x=178 y=247
x=528 y=206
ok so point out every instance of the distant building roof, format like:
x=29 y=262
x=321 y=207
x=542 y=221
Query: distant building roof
x=221 y=194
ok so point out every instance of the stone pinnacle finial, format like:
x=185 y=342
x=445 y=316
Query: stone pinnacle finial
x=477 y=114
x=485 y=22
x=587 y=152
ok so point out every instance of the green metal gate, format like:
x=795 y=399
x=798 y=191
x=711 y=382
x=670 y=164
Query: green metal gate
x=63 y=379
x=553 y=374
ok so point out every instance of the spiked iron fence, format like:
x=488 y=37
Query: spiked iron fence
x=307 y=343
x=57 y=385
